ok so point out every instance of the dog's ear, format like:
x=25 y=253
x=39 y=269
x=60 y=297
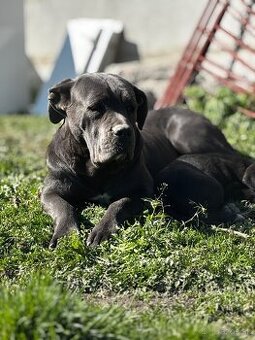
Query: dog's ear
x=142 y=107
x=58 y=100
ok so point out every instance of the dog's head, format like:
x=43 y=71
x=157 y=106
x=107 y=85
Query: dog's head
x=104 y=110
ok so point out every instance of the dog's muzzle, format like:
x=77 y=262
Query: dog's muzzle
x=116 y=147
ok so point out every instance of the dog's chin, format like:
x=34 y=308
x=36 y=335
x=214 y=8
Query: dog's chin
x=118 y=160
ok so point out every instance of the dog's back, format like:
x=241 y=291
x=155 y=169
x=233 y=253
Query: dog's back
x=188 y=131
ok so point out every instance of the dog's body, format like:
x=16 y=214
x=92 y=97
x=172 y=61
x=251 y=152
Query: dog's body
x=210 y=179
x=100 y=155
x=169 y=133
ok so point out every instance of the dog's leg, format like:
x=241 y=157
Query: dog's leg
x=249 y=177
x=186 y=188
x=65 y=216
x=228 y=213
x=116 y=214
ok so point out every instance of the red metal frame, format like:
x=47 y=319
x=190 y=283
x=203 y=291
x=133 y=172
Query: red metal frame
x=195 y=56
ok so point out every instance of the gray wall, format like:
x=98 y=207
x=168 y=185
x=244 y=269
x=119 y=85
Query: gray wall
x=14 y=91
x=157 y=26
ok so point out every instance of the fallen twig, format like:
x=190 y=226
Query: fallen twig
x=230 y=231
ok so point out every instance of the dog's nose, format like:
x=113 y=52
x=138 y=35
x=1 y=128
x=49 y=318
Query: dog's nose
x=122 y=130
x=53 y=96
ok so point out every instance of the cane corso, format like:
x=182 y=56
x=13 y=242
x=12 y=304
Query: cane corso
x=106 y=151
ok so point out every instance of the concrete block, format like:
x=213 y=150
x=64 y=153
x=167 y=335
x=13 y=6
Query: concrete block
x=89 y=46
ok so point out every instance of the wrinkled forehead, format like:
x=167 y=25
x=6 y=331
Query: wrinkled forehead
x=92 y=87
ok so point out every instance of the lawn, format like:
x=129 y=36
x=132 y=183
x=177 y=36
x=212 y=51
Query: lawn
x=155 y=280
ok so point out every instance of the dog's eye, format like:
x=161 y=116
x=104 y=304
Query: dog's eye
x=97 y=108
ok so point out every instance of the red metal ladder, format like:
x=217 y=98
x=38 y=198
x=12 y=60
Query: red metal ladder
x=196 y=58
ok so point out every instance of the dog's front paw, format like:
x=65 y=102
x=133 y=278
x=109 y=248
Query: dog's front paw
x=58 y=233
x=53 y=242
x=99 y=234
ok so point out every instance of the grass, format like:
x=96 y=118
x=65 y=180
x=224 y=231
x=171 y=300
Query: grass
x=159 y=280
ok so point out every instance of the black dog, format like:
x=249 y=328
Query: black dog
x=99 y=154
x=211 y=179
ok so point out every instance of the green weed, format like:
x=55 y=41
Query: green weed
x=156 y=279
